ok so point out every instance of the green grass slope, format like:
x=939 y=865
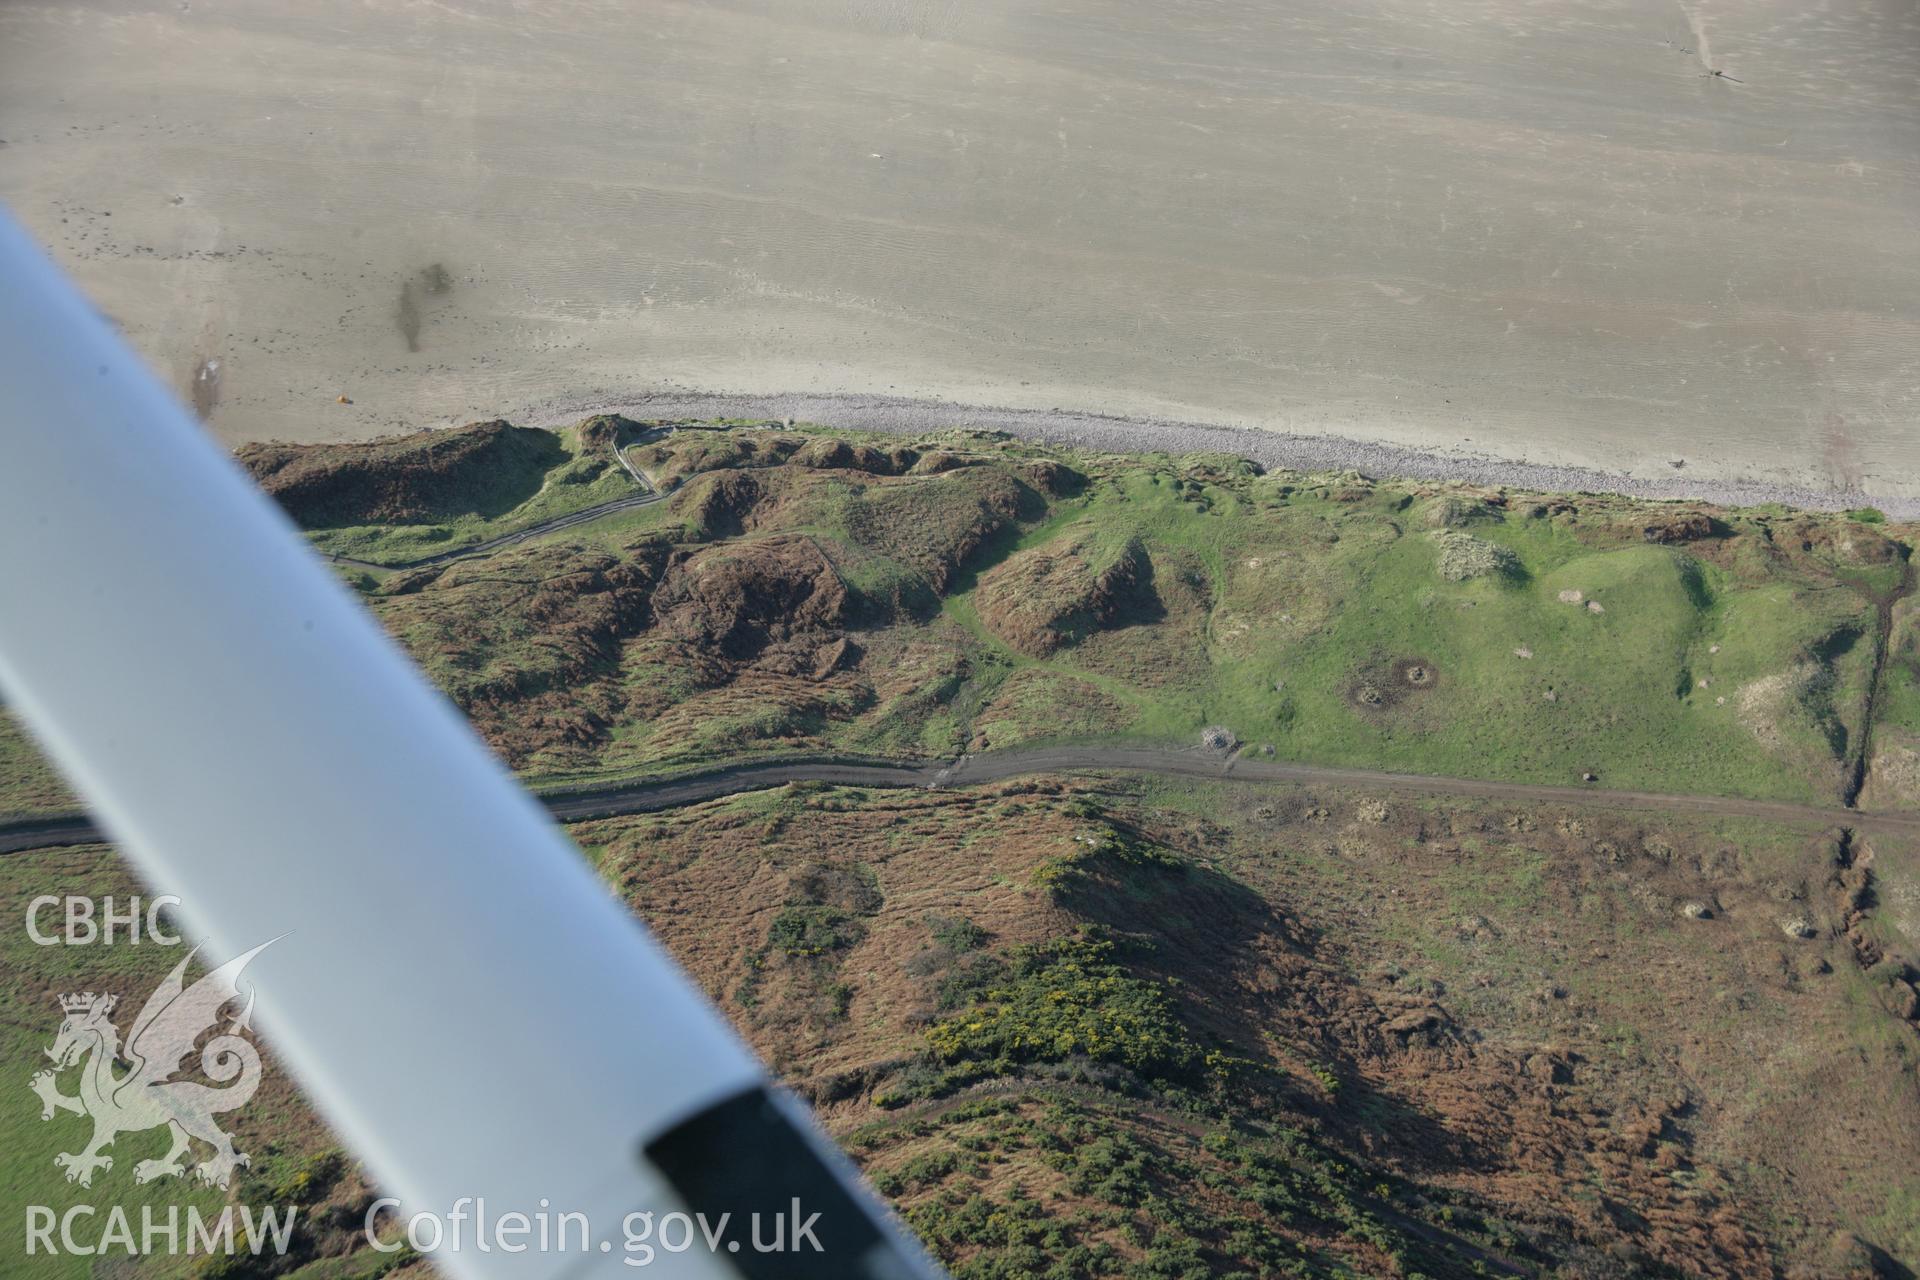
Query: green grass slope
x=990 y=594
x=393 y=502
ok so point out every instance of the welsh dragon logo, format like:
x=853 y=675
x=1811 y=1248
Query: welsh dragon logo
x=146 y=1096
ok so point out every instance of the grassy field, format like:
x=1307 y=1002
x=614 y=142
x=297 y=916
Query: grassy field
x=815 y=591
x=28 y=783
x=1420 y=627
x=1312 y=603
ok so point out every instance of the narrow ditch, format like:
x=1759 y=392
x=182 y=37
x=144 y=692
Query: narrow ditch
x=1882 y=640
x=1898 y=985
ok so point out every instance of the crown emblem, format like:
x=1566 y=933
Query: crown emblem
x=86 y=1002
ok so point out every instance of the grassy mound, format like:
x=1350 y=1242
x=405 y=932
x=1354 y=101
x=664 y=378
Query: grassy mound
x=482 y=469
x=1053 y=596
x=395 y=501
x=1464 y=557
x=1893 y=780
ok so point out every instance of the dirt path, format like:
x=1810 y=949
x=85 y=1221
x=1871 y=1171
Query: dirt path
x=998 y=766
x=506 y=540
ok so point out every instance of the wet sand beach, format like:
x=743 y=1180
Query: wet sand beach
x=1543 y=234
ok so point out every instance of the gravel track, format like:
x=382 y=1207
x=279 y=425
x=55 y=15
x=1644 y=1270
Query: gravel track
x=671 y=792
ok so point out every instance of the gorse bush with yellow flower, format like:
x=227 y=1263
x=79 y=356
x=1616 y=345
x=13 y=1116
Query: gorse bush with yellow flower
x=1069 y=999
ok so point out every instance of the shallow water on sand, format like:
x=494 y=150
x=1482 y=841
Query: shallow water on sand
x=1539 y=231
